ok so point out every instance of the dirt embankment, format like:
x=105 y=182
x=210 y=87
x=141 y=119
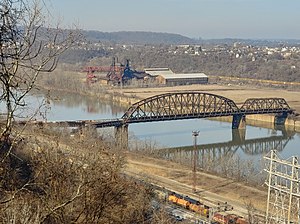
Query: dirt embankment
x=210 y=189
x=237 y=93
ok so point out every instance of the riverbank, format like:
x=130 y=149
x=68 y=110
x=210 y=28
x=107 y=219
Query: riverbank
x=265 y=121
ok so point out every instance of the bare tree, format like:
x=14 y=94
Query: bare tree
x=252 y=217
x=27 y=48
x=75 y=180
x=55 y=184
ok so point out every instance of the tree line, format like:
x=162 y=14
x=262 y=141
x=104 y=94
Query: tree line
x=268 y=67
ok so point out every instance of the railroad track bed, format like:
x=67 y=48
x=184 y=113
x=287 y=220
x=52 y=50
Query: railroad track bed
x=197 y=206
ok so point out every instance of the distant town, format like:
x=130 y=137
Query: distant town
x=261 y=60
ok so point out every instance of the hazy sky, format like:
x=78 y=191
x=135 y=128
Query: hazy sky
x=193 y=18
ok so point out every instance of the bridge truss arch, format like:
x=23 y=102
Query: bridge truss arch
x=175 y=106
x=265 y=105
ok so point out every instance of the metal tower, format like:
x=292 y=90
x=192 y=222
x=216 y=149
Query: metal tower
x=283 y=205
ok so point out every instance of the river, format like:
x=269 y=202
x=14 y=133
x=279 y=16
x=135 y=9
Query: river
x=213 y=135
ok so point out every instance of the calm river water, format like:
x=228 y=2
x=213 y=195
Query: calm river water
x=214 y=135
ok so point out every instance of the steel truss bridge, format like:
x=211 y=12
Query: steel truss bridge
x=185 y=105
x=188 y=105
x=191 y=105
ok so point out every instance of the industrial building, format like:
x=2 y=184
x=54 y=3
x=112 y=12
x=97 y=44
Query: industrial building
x=182 y=79
x=155 y=72
x=118 y=73
x=165 y=76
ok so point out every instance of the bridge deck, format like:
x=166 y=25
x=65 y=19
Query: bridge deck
x=186 y=105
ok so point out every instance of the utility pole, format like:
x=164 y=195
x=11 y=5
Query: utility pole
x=195 y=159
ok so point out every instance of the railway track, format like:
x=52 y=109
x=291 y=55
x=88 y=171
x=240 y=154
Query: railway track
x=214 y=201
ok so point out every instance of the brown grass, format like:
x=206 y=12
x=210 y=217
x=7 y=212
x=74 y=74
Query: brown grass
x=212 y=187
x=237 y=93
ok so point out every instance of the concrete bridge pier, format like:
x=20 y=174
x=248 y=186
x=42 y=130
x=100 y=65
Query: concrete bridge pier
x=280 y=119
x=238 y=135
x=239 y=121
x=121 y=136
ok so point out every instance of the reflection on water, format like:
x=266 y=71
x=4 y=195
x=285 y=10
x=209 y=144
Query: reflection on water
x=70 y=106
x=254 y=141
x=239 y=144
x=239 y=158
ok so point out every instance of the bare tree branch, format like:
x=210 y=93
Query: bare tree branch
x=27 y=48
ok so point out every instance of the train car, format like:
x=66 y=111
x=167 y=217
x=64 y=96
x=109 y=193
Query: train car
x=192 y=201
x=179 y=200
x=241 y=220
x=183 y=203
x=203 y=210
x=198 y=207
x=172 y=198
x=222 y=218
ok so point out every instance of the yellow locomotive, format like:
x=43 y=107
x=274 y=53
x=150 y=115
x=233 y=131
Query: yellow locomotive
x=189 y=203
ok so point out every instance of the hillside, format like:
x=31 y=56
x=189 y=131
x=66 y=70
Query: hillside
x=137 y=37
x=142 y=37
x=244 y=58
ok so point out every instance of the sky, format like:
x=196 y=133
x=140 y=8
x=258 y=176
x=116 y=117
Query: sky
x=254 y=19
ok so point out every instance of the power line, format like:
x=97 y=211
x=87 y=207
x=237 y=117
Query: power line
x=283 y=204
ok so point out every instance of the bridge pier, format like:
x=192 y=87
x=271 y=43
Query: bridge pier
x=239 y=121
x=238 y=135
x=121 y=136
x=280 y=119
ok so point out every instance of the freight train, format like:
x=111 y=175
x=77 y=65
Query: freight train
x=190 y=204
x=204 y=210
x=207 y=212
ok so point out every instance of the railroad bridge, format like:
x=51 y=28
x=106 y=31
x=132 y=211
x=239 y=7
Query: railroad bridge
x=190 y=105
